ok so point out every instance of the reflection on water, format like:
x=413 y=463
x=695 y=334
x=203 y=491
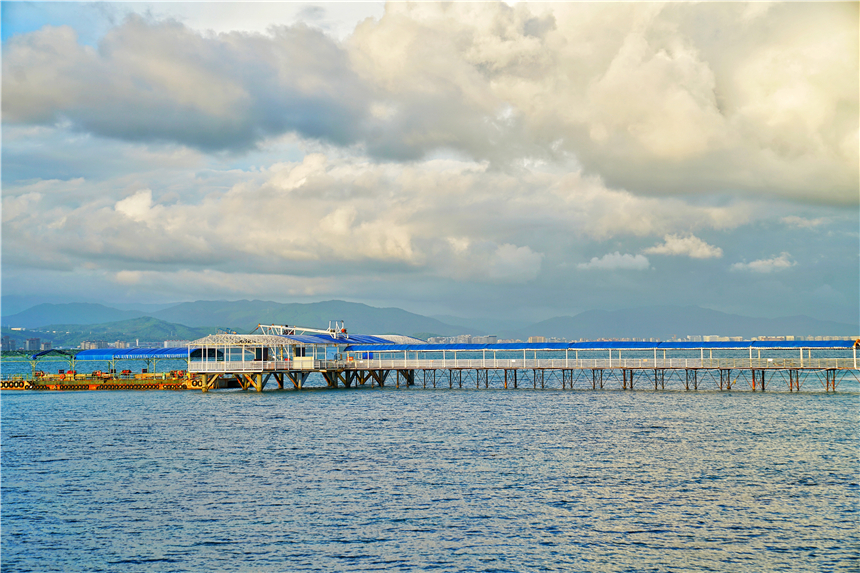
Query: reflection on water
x=459 y=480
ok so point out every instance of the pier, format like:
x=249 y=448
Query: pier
x=252 y=361
x=288 y=356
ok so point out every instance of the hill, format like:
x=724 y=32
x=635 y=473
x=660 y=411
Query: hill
x=144 y=328
x=69 y=313
x=245 y=315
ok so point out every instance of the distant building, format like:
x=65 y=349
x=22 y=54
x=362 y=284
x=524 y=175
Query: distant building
x=120 y=344
x=46 y=346
x=33 y=345
x=489 y=339
x=9 y=344
x=93 y=344
x=175 y=343
x=537 y=338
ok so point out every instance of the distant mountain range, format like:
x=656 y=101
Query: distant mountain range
x=69 y=323
x=145 y=329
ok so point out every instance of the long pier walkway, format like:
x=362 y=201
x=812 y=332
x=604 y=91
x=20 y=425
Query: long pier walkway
x=753 y=374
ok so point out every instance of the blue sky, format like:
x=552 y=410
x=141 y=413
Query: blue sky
x=469 y=159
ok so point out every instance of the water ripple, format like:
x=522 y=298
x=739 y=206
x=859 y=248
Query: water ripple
x=429 y=480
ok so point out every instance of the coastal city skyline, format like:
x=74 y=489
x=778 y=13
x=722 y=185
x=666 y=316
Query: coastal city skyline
x=525 y=160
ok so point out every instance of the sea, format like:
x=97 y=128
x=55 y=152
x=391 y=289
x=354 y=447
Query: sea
x=415 y=479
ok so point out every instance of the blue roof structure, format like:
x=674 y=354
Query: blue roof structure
x=133 y=353
x=51 y=351
x=327 y=339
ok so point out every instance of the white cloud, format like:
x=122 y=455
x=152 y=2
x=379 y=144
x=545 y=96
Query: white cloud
x=15 y=206
x=617 y=261
x=510 y=263
x=445 y=218
x=689 y=245
x=138 y=207
x=128 y=277
x=774 y=264
x=629 y=91
x=803 y=222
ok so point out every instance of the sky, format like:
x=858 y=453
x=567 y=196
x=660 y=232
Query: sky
x=517 y=161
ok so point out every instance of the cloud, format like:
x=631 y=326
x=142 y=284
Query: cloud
x=443 y=218
x=138 y=207
x=803 y=222
x=774 y=264
x=689 y=245
x=617 y=261
x=768 y=106
x=160 y=81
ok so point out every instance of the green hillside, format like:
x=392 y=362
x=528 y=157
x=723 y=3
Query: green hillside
x=144 y=328
x=78 y=313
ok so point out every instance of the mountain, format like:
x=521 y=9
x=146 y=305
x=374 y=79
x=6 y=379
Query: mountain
x=483 y=325
x=83 y=321
x=144 y=328
x=70 y=313
x=245 y=315
x=667 y=321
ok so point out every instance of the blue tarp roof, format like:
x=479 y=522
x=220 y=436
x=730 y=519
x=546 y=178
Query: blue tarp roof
x=132 y=353
x=51 y=351
x=706 y=345
x=326 y=339
x=612 y=345
x=601 y=345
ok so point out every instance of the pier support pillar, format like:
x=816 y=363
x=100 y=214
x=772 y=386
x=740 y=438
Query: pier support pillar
x=830 y=380
x=725 y=378
x=627 y=377
x=298 y=378
x=692 y=378
x=794 y=380
x=408 y=377
x=659 y=378
x=597 y=379
x=330 y=378
x=758 y=380
x=380 y=376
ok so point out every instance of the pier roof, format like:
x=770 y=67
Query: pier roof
x=132 y=353
x=227 y=339
x=327 y=339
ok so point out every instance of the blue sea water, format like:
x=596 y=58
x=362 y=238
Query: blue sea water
x=418 y=480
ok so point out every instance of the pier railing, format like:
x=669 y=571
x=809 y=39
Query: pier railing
x=603 y=363
x=515 y=364
x=238 y=366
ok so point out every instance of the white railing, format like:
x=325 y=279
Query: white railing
x=238 y=366
x=605 y=363
x=517 y=364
